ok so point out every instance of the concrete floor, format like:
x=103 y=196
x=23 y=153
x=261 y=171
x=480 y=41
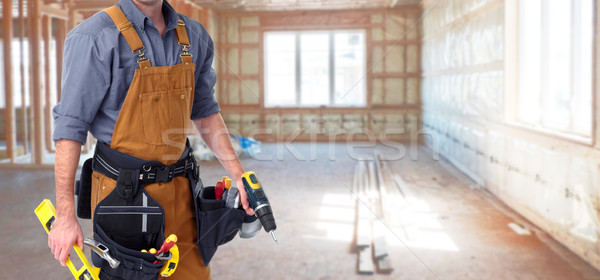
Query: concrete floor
x=444 y=229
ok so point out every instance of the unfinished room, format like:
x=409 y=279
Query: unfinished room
x=311 y=139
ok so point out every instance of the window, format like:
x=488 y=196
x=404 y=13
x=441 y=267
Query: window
x=555 y=52
x=315 y=68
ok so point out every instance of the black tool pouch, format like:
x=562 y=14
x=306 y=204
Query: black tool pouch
x=217 y=224
x=127 y=221
x=83 y=190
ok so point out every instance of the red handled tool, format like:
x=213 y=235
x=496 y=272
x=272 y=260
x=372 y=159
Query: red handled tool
x=168 y=244
x=219 y=190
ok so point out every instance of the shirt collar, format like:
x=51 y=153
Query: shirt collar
x=138 y=18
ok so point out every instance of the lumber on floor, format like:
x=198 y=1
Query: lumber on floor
x=370 y=227
x=363 y=235
x=384 y=265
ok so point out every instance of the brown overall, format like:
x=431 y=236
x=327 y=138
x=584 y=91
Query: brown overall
x=152 y=125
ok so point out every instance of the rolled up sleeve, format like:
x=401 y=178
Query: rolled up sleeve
x=205 y=103
x=85 y=83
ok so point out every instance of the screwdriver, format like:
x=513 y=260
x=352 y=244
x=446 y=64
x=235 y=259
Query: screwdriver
x=259 y=203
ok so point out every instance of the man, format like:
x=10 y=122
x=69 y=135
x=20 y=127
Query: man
x=138 y=103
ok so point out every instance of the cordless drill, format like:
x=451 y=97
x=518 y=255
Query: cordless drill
x=259 y=202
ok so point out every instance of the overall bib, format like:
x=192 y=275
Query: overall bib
x=152 y=126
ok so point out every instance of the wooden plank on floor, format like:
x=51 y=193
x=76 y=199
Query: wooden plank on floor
x=354 y=191
x=363 y=240
x=379 y=245
x=363 y=237
x=365 y=261
x=379 y=230
x=404 y=189
x=384 y=265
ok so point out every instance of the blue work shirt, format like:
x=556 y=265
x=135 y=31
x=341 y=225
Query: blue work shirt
x=98 y=68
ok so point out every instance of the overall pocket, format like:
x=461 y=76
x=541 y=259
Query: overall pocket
x=217 y=224
x=165 y=115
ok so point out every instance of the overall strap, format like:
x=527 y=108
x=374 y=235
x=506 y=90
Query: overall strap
x=129 y=33
x=184 y=41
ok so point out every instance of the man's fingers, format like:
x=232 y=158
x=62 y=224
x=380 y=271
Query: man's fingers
x=57 y=253
x=244 y=199
x=80 y=241
x=51 y=245
x=64 y=254
x=245 y=204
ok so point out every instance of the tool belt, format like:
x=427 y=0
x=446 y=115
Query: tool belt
x=129 y=219
x=216 y=223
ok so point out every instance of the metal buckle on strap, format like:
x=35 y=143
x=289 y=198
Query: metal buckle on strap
x=140 y=54
x=185 y=50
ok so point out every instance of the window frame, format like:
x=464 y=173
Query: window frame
x=511 y=79
x=331 y=66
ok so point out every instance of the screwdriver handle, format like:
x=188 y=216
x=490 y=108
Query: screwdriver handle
x=168 y=244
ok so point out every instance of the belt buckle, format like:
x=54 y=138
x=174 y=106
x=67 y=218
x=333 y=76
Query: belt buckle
x=163 y=174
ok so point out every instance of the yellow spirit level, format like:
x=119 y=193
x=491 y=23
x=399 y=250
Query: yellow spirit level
x=47 y=214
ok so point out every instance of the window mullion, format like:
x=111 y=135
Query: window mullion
x=331 y=69
x=576 y=62
x=298 y=71
x=545 y=56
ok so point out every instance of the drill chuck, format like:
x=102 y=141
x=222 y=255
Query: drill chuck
x=265 y=215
